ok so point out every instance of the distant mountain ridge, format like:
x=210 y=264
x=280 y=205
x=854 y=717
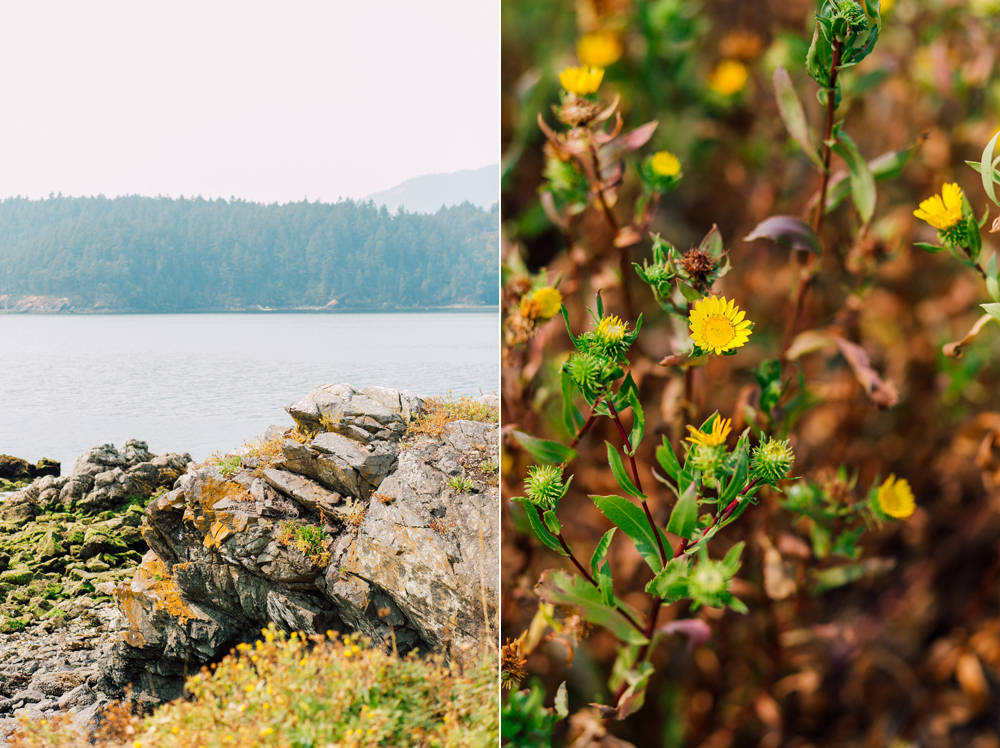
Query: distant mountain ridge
x=428 y=193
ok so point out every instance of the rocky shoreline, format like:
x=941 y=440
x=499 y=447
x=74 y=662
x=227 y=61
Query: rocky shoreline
x=138 y=569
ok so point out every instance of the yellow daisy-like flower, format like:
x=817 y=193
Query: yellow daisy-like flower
x=720 y=430
x=718 y=326
x=599 y=48
x=582 y=80
x=665 y=164
x=548 y=300
x=942 y=211
x=729 y=77
x=611 y=330
x=896 y=497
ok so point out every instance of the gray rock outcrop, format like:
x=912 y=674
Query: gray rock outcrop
x=339 y=524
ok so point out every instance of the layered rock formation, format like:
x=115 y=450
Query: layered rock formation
x=339 y=523
x=16 y=473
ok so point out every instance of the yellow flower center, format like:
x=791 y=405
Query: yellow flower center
x=665 y=164
x=718 y=331
x=718 y=325
x=611 y=330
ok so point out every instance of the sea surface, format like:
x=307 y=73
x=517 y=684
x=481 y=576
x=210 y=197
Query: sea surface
x=203 y=383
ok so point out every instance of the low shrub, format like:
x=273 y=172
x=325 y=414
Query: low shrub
x=290 y=691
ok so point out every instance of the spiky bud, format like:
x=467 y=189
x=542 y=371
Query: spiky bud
x=544 y=486
x=585 y=371
x=772 y=460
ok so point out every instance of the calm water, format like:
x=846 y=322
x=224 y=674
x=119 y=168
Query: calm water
x=200 y=383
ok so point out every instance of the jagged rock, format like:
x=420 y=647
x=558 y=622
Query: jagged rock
x=308 y=544
x=56 y=684
x=15 y=469
x=313 y=497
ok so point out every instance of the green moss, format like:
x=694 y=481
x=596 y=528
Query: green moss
x=16 y=576
x=11 y=625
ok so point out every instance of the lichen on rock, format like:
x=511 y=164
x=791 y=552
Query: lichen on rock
x=335 y=527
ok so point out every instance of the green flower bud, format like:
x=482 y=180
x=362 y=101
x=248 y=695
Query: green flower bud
x=706 y=459
x=772 y=460
x=544 y=486
x=854 y=16
x=585 y=371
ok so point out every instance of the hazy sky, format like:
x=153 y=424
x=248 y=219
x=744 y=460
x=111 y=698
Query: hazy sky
x=271 y=101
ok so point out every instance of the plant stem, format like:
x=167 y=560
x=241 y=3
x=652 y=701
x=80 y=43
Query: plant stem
x=806 y=274
x=586 y=574
x=968 y=253
x=586 y=427
x=635 y=477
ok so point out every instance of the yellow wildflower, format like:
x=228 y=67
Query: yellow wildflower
x=581 y=80
x=942 y=211
x=266 y=731
x=665 y=164
x=895 y=497
x=729 y=77
x=718 y=326
x=611 y=330
x=175 y=730
x=599 y=48
x=886 y=6
x=542 y=304
x=720 y=430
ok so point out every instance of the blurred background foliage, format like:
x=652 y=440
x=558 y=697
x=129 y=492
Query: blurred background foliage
x=909 y=652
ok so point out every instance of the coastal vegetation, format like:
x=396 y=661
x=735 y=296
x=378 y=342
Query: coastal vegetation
x=294 y=691
x=164 y=255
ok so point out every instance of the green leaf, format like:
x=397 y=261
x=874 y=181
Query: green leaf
x=838 y=576
x=862 y=181
x=993 y=310
x=605 y=585
x=635 y=695
x=978 y=167
x=975 y=238
x=712 y=243
x=731 y=562
x=552 y=522
x=793 y=115
x=670 y=583
x=569 y=330
x=543 y=450
x=739 y=477
x=601 y=550
x=689 y=293
x=986 y=169
x=632 y=521
x=618 y=470
x=819 y=58
x=572 y=416
x=684 y=517
x=638 y=421
x=932 y=248
x=557 y=587
x=540 y=530
x=820 y=536
x=992 y=284
x=667 y=458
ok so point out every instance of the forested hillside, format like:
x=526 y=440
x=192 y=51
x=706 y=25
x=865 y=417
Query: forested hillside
x=161 y=254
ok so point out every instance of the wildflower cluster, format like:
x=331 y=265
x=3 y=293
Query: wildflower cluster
x=529 y=302
x=600 y=353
